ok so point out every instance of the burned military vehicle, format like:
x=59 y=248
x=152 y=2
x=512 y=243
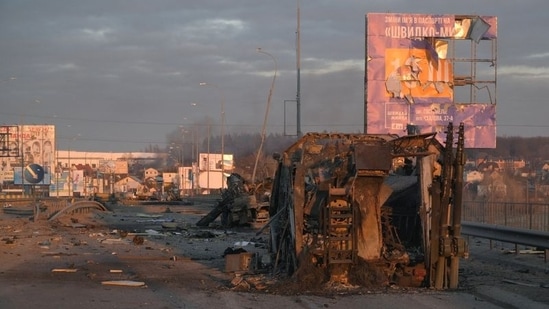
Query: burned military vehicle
x=240 y=204
x=343 y=203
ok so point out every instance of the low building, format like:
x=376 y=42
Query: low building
x=151 y=173
x=127 y=184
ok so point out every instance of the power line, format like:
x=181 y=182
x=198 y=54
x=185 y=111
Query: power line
x=243 y=125
x=154 y=142
x=164 y=123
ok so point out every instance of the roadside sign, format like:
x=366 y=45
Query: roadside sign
x=33 y=173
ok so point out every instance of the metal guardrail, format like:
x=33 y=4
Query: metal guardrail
x=52 y=204
x=529 y=216
x=513 y=235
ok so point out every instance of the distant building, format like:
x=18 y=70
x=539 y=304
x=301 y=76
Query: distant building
x=151 y=173
x=474 y=177
x=169 y=178
x=127 y=184
x=105 y=160
x=111 y=172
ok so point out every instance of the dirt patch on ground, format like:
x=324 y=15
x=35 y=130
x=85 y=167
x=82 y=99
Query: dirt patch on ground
x=154 y=244
x=136 y=242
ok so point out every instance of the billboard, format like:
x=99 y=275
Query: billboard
x=410 y=77
x=107 y=166
x=67 y=183
x=213 y=162
x=27 y=144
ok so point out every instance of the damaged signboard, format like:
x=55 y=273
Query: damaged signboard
x=418 y=75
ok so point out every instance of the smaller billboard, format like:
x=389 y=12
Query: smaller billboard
x=107 y=166
x=25 y=145
x=213 y=162
x=67 y=183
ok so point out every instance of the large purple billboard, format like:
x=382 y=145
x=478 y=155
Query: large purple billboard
x=410 y=76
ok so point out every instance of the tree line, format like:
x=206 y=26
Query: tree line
x=244 y=147
x=533 y=150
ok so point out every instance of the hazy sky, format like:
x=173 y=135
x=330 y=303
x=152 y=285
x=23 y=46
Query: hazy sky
x=120 y=75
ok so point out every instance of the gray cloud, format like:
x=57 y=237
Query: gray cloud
x=122 y=74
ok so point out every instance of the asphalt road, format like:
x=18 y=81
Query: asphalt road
x=186 y=269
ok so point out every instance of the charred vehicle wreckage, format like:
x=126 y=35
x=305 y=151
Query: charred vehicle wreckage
x=339 y=205
x=240 y=204
x=368 y=210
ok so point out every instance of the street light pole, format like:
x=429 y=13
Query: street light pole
x=194 y=152
x=208 y=155
x=298 y=69
x=222 y=131
x=22 y=138
x=71 y=176
x=70 y=170
x=259 y=50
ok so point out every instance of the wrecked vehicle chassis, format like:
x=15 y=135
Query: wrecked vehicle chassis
x=343 y=207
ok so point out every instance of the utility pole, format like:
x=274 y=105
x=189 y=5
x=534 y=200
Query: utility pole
x=222 y=95
x=22 y=137
x=259 y=151
x=208 y=157
x=298 y=67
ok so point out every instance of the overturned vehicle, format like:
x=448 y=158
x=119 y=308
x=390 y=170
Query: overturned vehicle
x=240 y=204
x=345 y=205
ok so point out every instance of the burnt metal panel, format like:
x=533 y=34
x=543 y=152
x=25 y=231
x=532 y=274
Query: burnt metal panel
x=372 y=157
